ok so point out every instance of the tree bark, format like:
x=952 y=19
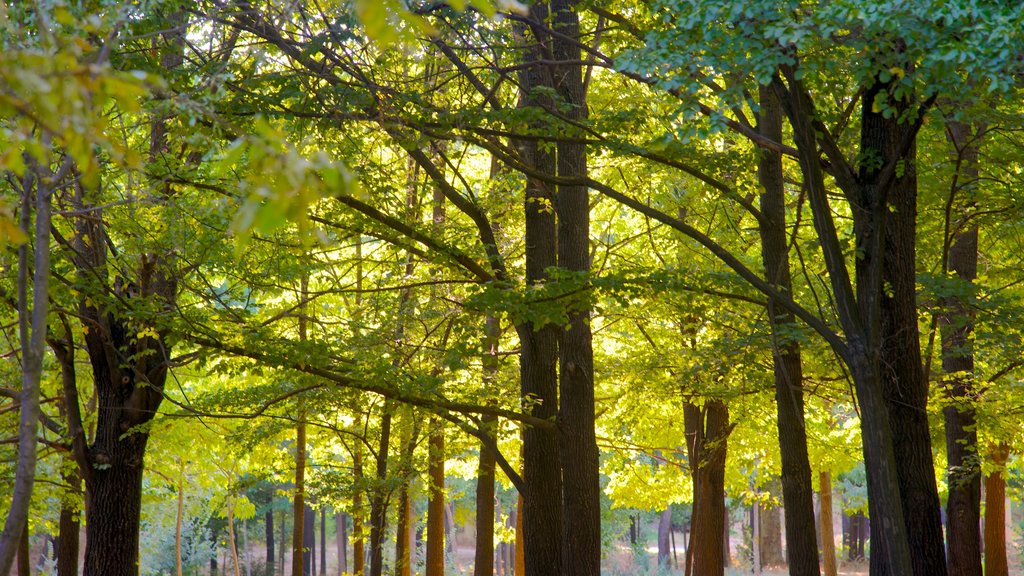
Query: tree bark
x=581 y=490
x=32 y=336
x=542 y=476
x=771 y=538
x=664 y=526
x=860 y=313
x=378 y=497
x=358 y=552
x=797 y=491
x=323 y=541
x=483 y=564
x=956 y=323
x=707 y=431
x=520 y=555
x=891 y=208
x=300 y=564
x=995 y=513
x=308 y=554
x=828 y=540
x=435 y=506
x=341 y=539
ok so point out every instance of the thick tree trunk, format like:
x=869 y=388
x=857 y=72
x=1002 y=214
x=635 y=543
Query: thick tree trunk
x=995 y=513
x=902 y=374
x=707 y=431
x=860 y=312
x=828 y=540
x=542 y=476
x=956 y=323
x=128 y=394
x=797 y=490
x=581 y=490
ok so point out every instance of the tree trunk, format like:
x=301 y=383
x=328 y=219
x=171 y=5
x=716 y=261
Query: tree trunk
x=995 y=513
x=232 y=540
x=904 y=385
x=378 y=497
x=23 y=552
x=435 y=506
x=828 y=540
x=542 y=477
x=581 y=491
x=308 y=550
x=323 y=541
x=707 y=431
x=341 y=539
x=956 y=323
x=483 y=564
x=664 y=526
x=300 y=565
x=70 y=526
x=755 y=539
x=32 y=338
x=282 y=544
x=797 y=491
x=771 y=537
x=859 y=309
x=520 y=556
x=358 y=551
x=129 y=395
x=268 y=524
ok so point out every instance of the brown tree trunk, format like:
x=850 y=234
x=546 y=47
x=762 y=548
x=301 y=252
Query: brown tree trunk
x=323 y=541
x=904 y=385
x=308 y=554
x=483 y=564
x=435 y=507
x=860 y=311
x=358 y=552
x=956 y=323
x=664 y=526
x=378 y=497
x=581 y=491
x=542 y=476
x=520 y=558
x=127 y=396
x=707 y=431
x=797 y=490
x=300 y=561
x=341 y=541
x=995 y=513
x=828 y=540
x=771 y=537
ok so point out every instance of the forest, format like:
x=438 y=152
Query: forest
x=512 y=287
